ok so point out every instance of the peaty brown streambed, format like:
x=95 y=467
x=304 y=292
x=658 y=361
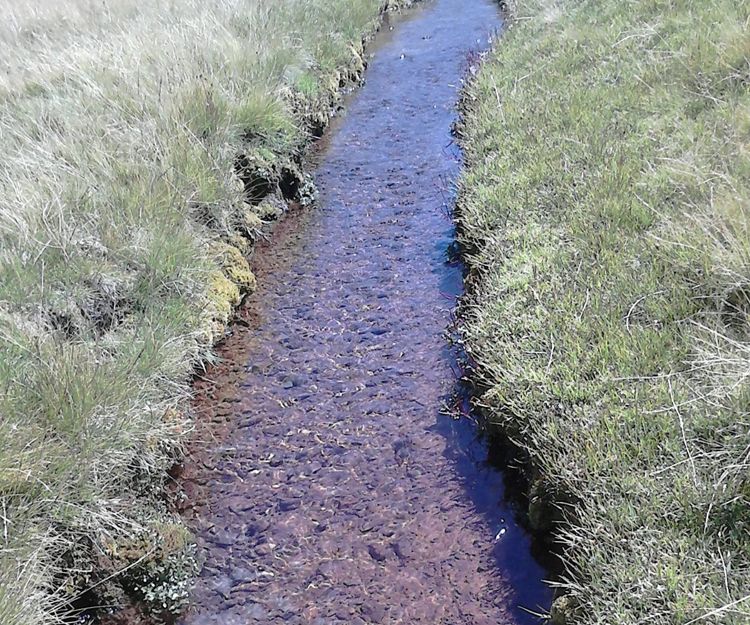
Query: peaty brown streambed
x=328 y=486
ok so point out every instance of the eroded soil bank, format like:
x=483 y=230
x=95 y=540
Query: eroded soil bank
x=327 y=486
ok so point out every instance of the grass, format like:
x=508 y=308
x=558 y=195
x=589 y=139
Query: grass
x=605 y=211
x=144 y=146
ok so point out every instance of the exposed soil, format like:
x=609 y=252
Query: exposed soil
x=326 y=485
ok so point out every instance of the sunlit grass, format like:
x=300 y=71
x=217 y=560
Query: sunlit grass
x=605 y=210
x=122 y=124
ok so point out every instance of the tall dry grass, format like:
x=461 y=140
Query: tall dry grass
x=144 y=144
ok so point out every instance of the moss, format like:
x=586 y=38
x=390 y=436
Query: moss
x=271 y=208
x=241 y=275
x=236 y=268
x=358 y=65
x=223 y=295
x=243 y=244
x=308 y=190
x=211 y=331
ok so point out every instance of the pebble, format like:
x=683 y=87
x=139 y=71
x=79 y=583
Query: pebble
x=377 y=553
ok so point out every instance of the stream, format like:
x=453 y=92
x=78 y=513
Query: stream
x=329 y=486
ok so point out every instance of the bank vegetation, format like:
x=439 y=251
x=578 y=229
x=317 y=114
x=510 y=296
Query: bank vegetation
x=605 y=214
x=144 y=146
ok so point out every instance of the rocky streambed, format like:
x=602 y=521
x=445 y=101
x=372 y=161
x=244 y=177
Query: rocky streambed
x=327 y=484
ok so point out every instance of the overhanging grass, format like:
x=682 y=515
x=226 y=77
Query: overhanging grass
x=122 y=225
x=605 y=214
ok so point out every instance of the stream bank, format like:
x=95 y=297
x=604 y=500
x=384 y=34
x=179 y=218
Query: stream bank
x=607 y=307
x=123 y=232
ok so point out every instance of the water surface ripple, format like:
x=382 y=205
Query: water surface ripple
x=334 y=491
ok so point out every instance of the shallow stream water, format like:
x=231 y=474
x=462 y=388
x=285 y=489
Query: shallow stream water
x=330 y=487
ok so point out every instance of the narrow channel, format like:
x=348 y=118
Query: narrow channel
x=331 y=488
